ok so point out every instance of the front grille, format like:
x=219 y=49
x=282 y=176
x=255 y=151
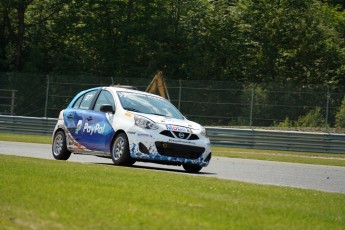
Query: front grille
x=175 y=134
x=181 y=135
x=193 y=137
x=167 y=133
x=178 y=150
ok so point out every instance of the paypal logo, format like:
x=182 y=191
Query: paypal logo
x=80 y=122
x=97 y=128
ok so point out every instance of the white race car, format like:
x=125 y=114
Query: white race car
x=129 y=125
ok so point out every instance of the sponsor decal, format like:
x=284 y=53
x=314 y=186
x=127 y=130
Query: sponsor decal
x=80 y=122
x=178 y=128
x=143 y=135
x=91 y=129
x=88 y=97
x=131 y=132
x=178 y=141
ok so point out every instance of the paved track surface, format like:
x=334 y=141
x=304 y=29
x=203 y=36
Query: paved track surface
x=318 y=177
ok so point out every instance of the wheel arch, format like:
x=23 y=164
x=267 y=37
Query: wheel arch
x=57 y=130
x=66 y=136
x=114 y=137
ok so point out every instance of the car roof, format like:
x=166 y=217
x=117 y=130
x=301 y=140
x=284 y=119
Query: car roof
x=132 y=89
x=125 y=87
x=114 y=88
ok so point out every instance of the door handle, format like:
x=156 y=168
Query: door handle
x=89 y=118
x=70 y=116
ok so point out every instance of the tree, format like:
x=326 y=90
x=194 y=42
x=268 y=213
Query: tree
x=340 y=115
x=293 y=41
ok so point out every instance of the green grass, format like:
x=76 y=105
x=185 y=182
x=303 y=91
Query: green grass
x=270 y=155
x=282 y=156
x=45 y=194
x=25 y=138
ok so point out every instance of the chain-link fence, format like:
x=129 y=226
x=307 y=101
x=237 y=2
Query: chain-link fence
x=221 y=103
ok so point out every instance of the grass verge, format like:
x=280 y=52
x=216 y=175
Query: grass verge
x=270 y=155
x=282 y=156
x=44 y=194
x=25 y=138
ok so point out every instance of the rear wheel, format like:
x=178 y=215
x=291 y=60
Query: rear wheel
x=192 y=168
x=59 y=147
x=120 y=151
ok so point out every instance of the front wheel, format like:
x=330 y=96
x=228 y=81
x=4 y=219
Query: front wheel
x=120 y=151
x=59 y=147
x=192 y=168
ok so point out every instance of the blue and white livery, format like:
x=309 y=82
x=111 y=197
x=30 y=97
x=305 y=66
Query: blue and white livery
x=127 y=126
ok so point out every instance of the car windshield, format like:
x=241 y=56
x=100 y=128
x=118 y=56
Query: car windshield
x=143 y=103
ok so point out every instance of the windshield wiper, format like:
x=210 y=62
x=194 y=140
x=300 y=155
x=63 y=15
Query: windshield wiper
x=159 y=114
x=132 y=109
x=135 y=110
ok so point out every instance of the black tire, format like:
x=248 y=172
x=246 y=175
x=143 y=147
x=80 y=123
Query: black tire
x=59 y=147
x=192 y=168
x=120 y=151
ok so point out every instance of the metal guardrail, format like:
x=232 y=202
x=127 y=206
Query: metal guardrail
x=277 y=140
x=230 y=137
x=27 y=125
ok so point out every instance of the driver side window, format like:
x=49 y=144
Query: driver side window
x=104 y=98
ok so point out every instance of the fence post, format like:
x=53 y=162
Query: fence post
x=327 y=105
x=251 y=107
x=47 y=94
x=179 y=94
x=12 y=101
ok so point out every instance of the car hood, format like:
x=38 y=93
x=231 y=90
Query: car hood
x=172 y=121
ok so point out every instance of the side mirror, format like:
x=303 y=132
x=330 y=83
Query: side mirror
x=107 y=109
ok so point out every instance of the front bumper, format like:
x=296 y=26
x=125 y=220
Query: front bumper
x=151 y=145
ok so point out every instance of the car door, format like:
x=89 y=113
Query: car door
x=74 y=118
x=97 y=130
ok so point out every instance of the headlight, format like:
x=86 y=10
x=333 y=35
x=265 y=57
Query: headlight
x=144 y=123
x=203 y=132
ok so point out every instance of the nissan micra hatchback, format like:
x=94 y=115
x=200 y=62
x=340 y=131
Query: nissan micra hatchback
x=128 y=126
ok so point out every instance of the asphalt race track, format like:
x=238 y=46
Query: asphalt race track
x=318 y=177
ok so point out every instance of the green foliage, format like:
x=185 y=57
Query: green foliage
x=255 y=99
x=313 y=118
x=287 y=123
x=340 y=116
x=292 y=41
x=238 y=40
x=284 y=42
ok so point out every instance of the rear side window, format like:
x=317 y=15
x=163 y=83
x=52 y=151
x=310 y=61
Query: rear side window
x=87 y=99
x=77 y=103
